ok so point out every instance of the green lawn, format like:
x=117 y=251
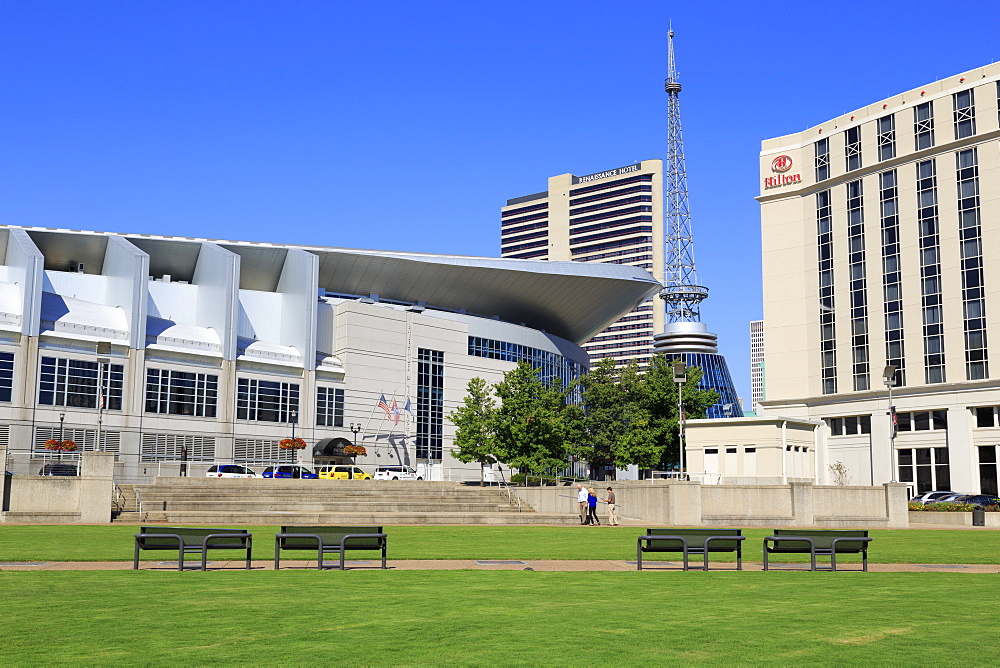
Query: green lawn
x=114 y=543
x=493 y=617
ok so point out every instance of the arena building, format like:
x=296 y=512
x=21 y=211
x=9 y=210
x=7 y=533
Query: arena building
x=881 y=270
x=177 y=351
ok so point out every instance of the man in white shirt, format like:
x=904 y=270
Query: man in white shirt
x=581 y=497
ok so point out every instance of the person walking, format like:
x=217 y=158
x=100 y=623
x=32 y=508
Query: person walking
x=581 y=498
x=592 y=507
x=612 y=508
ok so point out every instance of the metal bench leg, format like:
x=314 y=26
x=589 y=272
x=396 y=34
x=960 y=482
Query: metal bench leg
x=739 y=557
x=135 y=560
x=342 y=558
x=864 y=560
x=277 y=555
x=383 y=556
x=706 y=558
x=319 y=559
x=833 y=559
x=638 y=557
x=765 y=554
x=812 y=558
x=685 y=559
x=204 y=558
x=180 y=557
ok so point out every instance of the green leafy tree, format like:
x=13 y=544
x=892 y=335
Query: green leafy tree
x=536 y=426
x=660 y=400
x=474 y=426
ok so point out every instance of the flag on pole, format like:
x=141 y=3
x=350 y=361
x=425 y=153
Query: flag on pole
x=395 y=411
x=384 y=406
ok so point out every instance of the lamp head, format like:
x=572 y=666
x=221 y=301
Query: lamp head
x=679 y=374
x=889 y=374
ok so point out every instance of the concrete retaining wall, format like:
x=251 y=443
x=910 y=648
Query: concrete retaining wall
x=692 y=504
x=85 y=498
x=918 y=517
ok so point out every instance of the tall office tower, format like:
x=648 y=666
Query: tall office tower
x=614 y=216
x=757 y=364
x=881 y=262
x=685 y=336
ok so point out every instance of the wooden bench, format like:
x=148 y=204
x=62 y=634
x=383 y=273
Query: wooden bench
x=191 y=539
x=691 y=541
x=818 y=542
x=323 y=539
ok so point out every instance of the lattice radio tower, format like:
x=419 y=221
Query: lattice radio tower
x=681 y=291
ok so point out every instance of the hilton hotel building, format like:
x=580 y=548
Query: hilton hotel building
x=881 y=248
x=614 y=216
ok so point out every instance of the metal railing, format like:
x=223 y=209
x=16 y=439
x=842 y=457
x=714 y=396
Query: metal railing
x=503 y=486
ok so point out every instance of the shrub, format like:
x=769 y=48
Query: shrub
x=943 y=507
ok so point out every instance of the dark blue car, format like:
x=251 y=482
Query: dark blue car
x=289 y=471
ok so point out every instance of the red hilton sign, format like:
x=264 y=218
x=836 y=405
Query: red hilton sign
x=779 y=166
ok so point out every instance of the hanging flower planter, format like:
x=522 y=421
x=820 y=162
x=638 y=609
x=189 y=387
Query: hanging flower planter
x=59 y=446
x=292 y=444
x=355 y=450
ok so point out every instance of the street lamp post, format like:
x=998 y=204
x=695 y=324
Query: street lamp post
x=62 y=418
x=680 y=377
x=293 y=417
x=889 y=376
x=355 y=428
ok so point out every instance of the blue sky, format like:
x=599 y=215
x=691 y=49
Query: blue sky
x=406 y=125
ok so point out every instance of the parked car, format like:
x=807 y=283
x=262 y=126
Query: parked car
x=979 y=500
x=396 y=473
x=342 y=472
x=928 y=497
x=58 y=469
x=288 y=471
x=230 y=471
x=948 y=498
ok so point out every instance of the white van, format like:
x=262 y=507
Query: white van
x=396 y=473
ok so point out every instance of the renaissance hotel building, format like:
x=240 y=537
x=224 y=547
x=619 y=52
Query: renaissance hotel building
x=881 y=271
x=165 y=349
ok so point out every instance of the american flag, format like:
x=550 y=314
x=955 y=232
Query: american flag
x=384 y=406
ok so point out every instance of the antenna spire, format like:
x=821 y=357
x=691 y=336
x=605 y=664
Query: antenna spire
x=681 y=291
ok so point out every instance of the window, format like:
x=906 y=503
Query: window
x=930 y=272
x=852 y=147
x=965 y=114
x=927 y=467
x=988 y=469
x=892 y=276
x=886 y=137
x=249 y=450
x=430 y=403
x=828 y=340
x=858 y=284
x=6 y=376
x=85 y=439
x=922 y=420
x=73 y=383
x=851 y=425
x=181 y=393
x=971 y=253
x=923 y=126
x=266 y=401
x=329 y=407
x=822 y=148
x=987 y=416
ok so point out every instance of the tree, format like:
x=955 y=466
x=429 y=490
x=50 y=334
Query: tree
x=660 y=399
x=474 y=426
x=536 y=427
x=618 y=425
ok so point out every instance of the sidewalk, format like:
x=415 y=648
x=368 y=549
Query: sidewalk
x=484 y=565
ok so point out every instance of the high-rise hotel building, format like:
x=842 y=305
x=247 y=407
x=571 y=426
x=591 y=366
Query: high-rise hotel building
x=614 y=216
x=881 y=257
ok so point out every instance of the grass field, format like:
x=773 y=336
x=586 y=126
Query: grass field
x=493 y=617
x=114 y=543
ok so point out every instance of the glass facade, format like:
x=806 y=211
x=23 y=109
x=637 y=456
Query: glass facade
x=552 y=365
x=971 y=252
x=858 y=284
x=430 y=403
x=715 y=376
x=827 y=332
x=329 y=407
x=892 y=275
x=930 y=272
x=6 y=376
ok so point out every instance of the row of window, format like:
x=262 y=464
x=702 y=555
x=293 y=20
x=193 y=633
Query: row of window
x=604 y=185
x=610 y=223
x=430 y=403
x=621 y=337
x=618 y=243
x=75 y=383
x=508 y=241
x=928 y=469
x=617 y=193
x=529 y=255
x=552 y=365
x=524 y=209
x=634 y=232
x=963 y=120
x=507 y=233
x=611 y=205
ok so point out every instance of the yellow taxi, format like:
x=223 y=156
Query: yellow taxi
x=342 y=472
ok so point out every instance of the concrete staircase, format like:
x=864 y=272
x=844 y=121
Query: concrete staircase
x=348 y=502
